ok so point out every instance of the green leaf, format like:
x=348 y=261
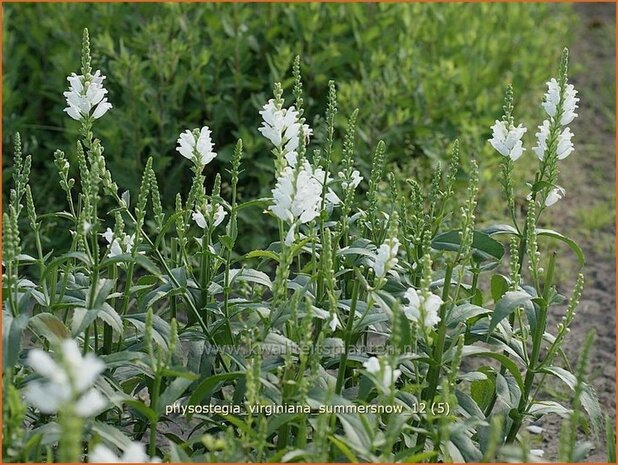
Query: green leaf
x=49 y=326
x=262 y=254
x=507 y=305
x=509 y=364
x=499 y=286
x=160 y=328
x=343 y=448
x=173 y=392
x=464 y=312
x=141 y=408
x=498 y=229
x=111 y=434
x=262 y=203
x=82 y=257
x=482 y=392
x=570 y=242
x=205 y=389
x=483 y=246
x=12 y=331
x=588 y=397
x=253 y=276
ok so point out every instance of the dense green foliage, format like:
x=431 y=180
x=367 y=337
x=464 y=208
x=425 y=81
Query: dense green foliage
x=374 y=328
x=420 y=74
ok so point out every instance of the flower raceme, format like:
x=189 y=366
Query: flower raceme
x=197 y=146
x=551 y=103
x=282 y=128
x=86 y=94
x=118 y=245
x=68 y=382
x=506 y=139
x=386 y=257
x=564 y=146
x=297 y=196
x=422 y=309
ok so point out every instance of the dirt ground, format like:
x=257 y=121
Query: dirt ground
x=587 y=213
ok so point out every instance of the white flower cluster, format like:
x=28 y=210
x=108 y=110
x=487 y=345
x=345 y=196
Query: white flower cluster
x=85 y=94
x=506 y=139
x=134 y=453
x=421 y=309
x=282 y=128
x=68 y=382
x=383 y=373
x=386 y=257
x=552 y=101
x=197 y=146
x=560 y=106
x=118 y=245
x=297 y=196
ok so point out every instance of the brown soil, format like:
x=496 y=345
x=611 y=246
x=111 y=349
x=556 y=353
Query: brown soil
x=587 y=214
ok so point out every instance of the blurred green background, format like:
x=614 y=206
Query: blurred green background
x=421 y=75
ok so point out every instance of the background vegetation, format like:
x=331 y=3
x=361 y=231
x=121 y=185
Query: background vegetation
x=421 y=74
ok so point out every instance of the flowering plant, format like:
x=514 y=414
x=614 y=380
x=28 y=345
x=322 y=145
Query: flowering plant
x=158 y=322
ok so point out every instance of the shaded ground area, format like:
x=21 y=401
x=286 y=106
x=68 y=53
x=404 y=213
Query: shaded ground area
x=588 y=211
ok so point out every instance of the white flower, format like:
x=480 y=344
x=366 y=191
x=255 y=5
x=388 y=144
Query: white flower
x=507 y=140
x=422 y=310
x=118 y=245
x=384 y=373
x=386 y=257
x=354 y=181
x=86 y=94
x=68 y=381
x=564 y=145
x=134 y=453
x=334 y=323
x=202 y=220
x=300 y=200
x=282 y=128
x=198 y=147
x=552 y=99
x=554 y=195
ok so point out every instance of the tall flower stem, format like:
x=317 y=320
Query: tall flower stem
x=347 y=337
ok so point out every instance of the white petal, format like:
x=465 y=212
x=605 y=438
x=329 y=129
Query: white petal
x=102 y=454
x=90 y=404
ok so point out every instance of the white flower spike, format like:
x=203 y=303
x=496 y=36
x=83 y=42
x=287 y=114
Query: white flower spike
x=564 y=145
x=386 y=257
x=68 y=381
x=282 y=127
x=197 y=146
x=298 y=200
x=506 y=139
x=422 y=310
x=552 y=100
x=85 y=94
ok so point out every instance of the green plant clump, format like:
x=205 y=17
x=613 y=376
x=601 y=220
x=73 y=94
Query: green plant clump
x=361 y=333
x=420 y=74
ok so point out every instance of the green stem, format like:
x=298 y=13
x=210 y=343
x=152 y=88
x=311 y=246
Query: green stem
x=156 y=389
x=347 y=338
